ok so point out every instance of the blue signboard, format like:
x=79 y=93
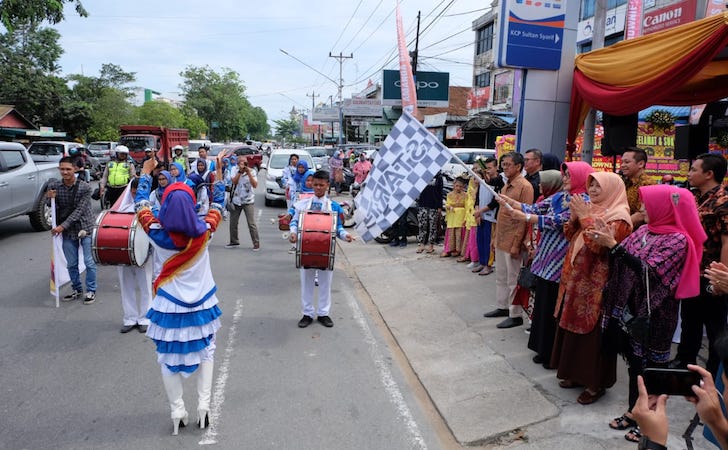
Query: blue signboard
x=531 y=34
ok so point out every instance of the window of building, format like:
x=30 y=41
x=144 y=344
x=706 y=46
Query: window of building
x=502 y=87
x=485 y=39
x=609 y=40
x=482 y=80
x=588 y=7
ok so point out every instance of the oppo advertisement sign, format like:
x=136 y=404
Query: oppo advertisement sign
x=432 y=89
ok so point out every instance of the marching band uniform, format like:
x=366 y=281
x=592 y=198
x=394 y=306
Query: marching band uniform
x=308 y=276
x=184 y=314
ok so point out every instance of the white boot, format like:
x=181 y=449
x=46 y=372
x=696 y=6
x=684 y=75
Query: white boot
x=173 y=386
x=204 y=387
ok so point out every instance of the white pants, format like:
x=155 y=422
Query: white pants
x=506 y=280
x=324 y=291
x=135 y=305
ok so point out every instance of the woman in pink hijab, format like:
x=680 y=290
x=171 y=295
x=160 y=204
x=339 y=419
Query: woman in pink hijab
x=666 y=253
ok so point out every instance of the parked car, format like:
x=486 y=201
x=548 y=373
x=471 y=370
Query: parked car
x=254 y=156
x=320 y=156
x=102 y=151
x=275 y=190
x=195 y=144
x=23 y=185
x=467 y=155
x=50 y=151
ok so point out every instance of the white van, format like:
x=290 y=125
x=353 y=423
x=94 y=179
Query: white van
x=466 y=155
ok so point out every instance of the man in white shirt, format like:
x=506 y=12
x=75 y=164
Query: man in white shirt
x=243 y=199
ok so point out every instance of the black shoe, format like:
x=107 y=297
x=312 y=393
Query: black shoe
x=394 y=243
x=127 y=328
x=537 y=359
x=142 y=328
x=511 y=322
x=678 y=364
x=305 y=321
x=325 y=321
x=497 y=313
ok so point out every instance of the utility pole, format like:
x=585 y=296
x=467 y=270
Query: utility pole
x=417 y=44
x=313 y=105
x=340 y=57
x=600 y=17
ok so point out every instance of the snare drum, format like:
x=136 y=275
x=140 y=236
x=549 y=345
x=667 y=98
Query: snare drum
x=316 y=242
x=118 y=239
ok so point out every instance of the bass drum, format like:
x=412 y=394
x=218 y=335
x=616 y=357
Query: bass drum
x=316 y=244
x=119 y=239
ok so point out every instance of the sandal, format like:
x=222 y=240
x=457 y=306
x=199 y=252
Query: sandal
x=463 y=259
x=633 y=435
x=486 y=271
x=420 y=249
x=622 y=423
x=445 y=255
x=430 y=250
x=588 y=397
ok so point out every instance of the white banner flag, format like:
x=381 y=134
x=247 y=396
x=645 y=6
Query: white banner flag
x=408 y=160
x=59 y=266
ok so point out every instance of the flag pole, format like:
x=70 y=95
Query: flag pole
x=473 y=174
x=54 y=269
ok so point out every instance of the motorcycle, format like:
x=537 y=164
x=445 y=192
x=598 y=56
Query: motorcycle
x=412 y=227
x=350 y=208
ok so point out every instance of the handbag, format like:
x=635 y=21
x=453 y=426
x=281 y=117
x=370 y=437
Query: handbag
x=526 y=278
x=637 y=327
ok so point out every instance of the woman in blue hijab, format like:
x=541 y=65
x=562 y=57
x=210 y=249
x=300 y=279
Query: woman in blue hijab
x=164 y=179
x=177 y=171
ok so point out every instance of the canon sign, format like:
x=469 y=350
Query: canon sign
x=672 y=16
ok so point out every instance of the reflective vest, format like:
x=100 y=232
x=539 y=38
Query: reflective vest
x=118 y=174
x=180 y=159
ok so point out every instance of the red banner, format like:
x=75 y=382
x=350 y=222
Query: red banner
x=409 y=94
x=633 y=19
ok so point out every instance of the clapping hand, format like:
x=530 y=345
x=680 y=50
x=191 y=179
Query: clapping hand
x=579 y=208
x=717 y=274
x=602 y=233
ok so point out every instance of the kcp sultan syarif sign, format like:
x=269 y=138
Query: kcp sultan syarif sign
x=531 y=34
x=432 y=89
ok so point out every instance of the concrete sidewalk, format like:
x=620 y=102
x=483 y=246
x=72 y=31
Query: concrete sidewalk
x=481 y=379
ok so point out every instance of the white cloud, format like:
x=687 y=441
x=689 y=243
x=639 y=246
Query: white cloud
x=158 y=39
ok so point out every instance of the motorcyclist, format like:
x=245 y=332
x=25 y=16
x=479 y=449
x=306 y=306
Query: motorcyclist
x=180 y=158
x=117 y=174
x=79 y=162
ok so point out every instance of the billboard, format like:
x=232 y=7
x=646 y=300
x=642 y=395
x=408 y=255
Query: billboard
x=613 y=23
x=478 y=98
x=668 y=17
x=531 y=34
x=363 y=107
x=433 y=89
x=325 y=114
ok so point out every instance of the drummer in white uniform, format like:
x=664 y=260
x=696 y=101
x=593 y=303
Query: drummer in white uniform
x=319 y=202
x=135 y=282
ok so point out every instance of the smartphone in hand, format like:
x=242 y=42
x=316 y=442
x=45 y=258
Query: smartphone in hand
x=670 y=381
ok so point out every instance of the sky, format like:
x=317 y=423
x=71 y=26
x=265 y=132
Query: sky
x=157 y=39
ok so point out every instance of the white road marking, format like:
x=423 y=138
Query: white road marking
x=218 y=396
x=385 y=376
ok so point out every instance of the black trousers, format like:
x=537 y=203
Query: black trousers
x=704 y=310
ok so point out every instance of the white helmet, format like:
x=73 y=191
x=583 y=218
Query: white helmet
x=122 y=149
x=177 y=147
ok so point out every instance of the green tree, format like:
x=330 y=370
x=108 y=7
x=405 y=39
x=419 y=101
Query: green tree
x=22 y=12
x=194 y=123
x=106 y=99
x=159 y=113
x=220 y=98
x=287 y=129
x=28 y=63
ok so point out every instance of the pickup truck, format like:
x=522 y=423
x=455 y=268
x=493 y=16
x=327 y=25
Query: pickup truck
x=23 y=184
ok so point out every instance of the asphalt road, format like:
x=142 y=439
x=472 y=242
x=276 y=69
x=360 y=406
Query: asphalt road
x=71 y=380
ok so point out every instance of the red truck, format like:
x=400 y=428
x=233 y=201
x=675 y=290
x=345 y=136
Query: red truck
x=162 y=139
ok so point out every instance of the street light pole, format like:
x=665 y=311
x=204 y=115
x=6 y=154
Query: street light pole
x=313 y=105
x=341 y=59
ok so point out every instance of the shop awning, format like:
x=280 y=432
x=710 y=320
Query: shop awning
x=685 y=65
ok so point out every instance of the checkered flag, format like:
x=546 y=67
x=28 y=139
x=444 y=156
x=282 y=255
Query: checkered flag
x=408 y=160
